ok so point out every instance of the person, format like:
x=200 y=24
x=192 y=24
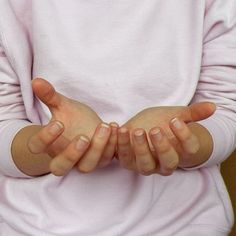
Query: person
x=115 y=117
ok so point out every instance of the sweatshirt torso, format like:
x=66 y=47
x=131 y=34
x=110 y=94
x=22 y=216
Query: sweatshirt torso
x=118 y=57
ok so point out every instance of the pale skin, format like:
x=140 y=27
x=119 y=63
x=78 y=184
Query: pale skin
x=156 y=140
x=60 y=145
x=168 y=138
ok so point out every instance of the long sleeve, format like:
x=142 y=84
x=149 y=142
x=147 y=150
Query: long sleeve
x=12 y=115
x=218 y=77
x=17 y=104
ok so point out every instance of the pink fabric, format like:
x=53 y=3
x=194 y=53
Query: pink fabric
x=118 y=57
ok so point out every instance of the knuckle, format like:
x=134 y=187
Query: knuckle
x=108 y=152
x=112 y=141
x=71 y=157
x=185 y=136
x=122 y=142
x=124 y=150
x=42 y=136
x=192 y=145
x=94 y=155
x=35 y=146
x=164 y=148
x=192 y=150
x=141 y=151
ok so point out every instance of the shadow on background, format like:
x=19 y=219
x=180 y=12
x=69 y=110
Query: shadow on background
x=228 y=170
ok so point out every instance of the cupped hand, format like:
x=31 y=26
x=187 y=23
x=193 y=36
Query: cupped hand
x=159 y=139
x=161 y=116
x=74 y=125
x=76 y=117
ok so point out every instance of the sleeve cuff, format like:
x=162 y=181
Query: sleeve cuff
x=8 y=131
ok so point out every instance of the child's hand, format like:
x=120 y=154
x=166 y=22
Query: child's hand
x=68 y=154
x=75 y=118
x=167 y=146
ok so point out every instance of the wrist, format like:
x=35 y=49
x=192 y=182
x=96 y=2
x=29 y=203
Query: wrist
x=205 y=147
x=27 y=162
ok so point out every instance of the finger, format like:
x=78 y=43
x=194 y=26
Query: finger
x=198 y=111
x=58 y=146
x=144 y=159
x=46 y=92
x=110 y=149
x=187 y=139
x=93 y=155
x=39 y=142
x=124 y=150
x=167 y=156
x=67 y=159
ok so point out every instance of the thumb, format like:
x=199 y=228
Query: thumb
x=198 y=111
x=46 y=93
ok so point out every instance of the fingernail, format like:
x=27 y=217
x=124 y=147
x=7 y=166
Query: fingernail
x=55 y=128
x=114 y=128
x=113 y=124
x=82 y=143
x=156 y=134
x=139 y=136
x=103 y=130
x=176 y=123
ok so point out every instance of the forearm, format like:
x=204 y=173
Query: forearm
x=205 y=149
x=29 y=163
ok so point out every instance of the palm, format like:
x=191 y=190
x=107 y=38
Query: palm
x=76 y=117
x=152 y=117
x=161 y=116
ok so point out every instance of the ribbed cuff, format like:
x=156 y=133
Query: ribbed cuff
x=223 y=144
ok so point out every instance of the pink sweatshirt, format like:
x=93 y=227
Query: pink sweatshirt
x=119 y=57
